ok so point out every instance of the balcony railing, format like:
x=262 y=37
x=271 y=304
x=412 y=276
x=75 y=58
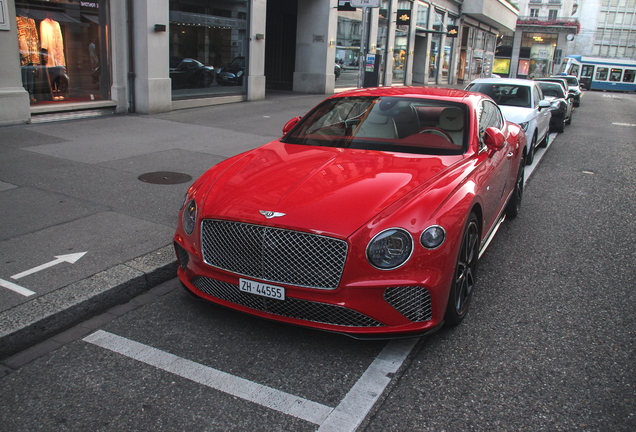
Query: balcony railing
x=548 y=22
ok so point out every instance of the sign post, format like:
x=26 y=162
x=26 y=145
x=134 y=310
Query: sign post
x=362 y=58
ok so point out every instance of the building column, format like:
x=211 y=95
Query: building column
x=408 y=68
x=516 y=48
x=256 y=51
x=316 y=46
x=390 y=43
x=152 y=91
x=14 y=99
x=119 y=55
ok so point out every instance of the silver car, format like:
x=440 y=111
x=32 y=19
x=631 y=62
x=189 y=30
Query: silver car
x=521 y=101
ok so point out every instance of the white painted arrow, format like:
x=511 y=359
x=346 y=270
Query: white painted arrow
x=70 y=258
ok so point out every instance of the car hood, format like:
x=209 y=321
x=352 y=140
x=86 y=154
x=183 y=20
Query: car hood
x=517 y=114
x=318 y=189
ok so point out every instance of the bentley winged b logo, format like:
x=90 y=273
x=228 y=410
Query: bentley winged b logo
x=270 y=214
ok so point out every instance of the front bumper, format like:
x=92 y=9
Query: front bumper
x=375 y=310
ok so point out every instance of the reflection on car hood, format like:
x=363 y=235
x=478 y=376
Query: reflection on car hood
x=517 y=114
x=321 y=189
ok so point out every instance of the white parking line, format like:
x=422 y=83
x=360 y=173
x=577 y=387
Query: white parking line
x=346 y=417
x=16 y=288
x=271 y=398
x=365 y=393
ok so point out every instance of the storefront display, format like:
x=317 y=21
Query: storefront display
x=55 y=58
x=208 y=48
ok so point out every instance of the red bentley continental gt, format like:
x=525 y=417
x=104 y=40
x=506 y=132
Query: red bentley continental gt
x=366 y=218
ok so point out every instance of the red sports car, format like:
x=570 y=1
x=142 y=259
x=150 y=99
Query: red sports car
x=366 y=218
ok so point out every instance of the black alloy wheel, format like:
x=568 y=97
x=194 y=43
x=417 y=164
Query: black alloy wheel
x=514 y=205
x=463 y=283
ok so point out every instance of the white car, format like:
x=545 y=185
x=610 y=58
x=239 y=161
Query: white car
x=521 y=101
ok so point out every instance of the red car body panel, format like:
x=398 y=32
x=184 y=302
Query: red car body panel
x=353 y=195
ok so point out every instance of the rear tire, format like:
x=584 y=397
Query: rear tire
x=514 y=205
x=463 y=283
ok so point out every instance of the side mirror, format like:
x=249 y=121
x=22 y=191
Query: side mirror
x=544 y=104
x=494 y=138
x=290 y=124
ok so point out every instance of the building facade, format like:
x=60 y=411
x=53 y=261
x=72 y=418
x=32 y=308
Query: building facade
x=150 y=56
x=608 y=29
x=544 y=29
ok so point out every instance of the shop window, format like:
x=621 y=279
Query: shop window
x=62 y=54
x=208 y=48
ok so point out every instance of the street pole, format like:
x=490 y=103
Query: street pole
x=363 y=46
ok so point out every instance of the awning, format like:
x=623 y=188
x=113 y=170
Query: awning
x=41 y=15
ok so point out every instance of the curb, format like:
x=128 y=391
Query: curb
x=37 y=320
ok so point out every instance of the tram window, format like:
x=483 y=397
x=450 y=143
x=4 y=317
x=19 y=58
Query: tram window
x=615 y=75
x=587 y=71
x=574 y=70
x=629 y=76
x=601 y=74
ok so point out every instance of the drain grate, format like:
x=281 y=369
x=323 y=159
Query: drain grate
x=165 y=178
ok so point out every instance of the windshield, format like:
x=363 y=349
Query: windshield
x=395 y=124
x=572 y=80
x=552 y=89
x=505 y=94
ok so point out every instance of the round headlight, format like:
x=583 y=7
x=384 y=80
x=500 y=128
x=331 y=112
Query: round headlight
x=390 y=249
x=189 y=216
x=433 y=237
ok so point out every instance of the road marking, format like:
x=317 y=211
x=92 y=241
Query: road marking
x=346 y=417
x=16 y=288
x=357 y=404
x=70 y=258
x=271 y=398
x=624 y=124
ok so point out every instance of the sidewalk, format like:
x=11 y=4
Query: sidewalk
x=72 y=189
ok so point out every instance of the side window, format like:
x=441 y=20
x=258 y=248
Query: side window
x=629 y=75
x=615 y=75
x=601 y=74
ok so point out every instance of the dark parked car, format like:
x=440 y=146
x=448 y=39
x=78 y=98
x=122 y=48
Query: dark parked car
x=188 y=72
x=574 y=88
x=233 y=73
x=561 y=104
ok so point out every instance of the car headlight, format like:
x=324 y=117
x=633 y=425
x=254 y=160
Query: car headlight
x=433 y=237
x=390 y=249
x=524 y=126
x=189 y=217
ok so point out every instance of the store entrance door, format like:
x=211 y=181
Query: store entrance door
x=280 y=44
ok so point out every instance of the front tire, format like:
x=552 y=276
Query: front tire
x=463 y=283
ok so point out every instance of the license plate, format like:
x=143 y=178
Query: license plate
x=261 y=289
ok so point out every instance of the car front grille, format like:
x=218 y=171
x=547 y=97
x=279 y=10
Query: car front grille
x=273 y=254
x=413 y=302
x=290 y=307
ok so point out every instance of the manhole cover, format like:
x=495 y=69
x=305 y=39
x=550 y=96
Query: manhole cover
x=165 y=177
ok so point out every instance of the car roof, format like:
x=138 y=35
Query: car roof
x=509 y=81
x=439 y=93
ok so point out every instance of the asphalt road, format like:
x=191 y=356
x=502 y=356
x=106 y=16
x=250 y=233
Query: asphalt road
x=547 y=345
